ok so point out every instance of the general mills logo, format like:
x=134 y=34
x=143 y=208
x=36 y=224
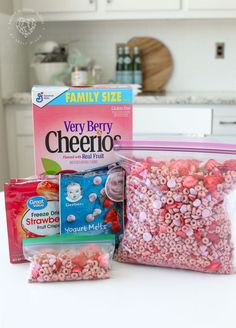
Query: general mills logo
x=39 y=97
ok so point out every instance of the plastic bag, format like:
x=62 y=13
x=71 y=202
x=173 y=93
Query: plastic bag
x=91 y=202
x=32 y=210
x=181 y=205
x=69 y=257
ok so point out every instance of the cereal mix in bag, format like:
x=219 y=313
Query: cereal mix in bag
x=75 y=128
x=91 y=202
x=181 y=205
x=69 y=257
x=32 y=210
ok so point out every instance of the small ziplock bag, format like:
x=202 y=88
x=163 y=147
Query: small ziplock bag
x=69 y=257
x=181 y=205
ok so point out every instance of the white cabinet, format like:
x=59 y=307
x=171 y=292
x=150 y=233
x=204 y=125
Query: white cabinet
x=94 y=10
x=55 y=6
x=25 y=156
x=212 y=4
x=147 y=5
x=224 y=122
x=178 y=120
x=19 y=127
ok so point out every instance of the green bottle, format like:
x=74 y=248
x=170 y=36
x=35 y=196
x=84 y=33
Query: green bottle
x=137 y=67
x=128 y=68
x=120 y=65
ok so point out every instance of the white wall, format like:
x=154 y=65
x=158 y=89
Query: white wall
x=192 y=44
x=14 y=76
x=13 y=61
x=6 y=7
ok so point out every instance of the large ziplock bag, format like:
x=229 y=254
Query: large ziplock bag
x=69 y=257
x=181 y=205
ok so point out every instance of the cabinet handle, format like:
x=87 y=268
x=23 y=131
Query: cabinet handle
x=227 y=123
x=109 y=1
x=91 y=2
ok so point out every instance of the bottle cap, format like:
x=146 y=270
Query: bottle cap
x=126 y=50
x=136 y=50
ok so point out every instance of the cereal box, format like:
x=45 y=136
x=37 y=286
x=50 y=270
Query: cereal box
x=75 y=128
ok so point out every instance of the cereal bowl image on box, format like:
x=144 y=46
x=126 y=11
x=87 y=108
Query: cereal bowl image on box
x=75 y=128
x=92 y=201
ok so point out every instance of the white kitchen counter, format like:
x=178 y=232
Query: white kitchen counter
x=136 y=296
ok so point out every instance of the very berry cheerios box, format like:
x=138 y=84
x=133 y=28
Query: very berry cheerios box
x=75 y=128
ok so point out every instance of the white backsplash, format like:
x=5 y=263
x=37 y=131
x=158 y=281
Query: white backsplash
x=192 y=44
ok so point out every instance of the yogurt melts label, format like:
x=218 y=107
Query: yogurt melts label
x=75 y=128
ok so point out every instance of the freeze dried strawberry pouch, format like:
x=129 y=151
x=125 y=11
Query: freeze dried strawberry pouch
x=181 y=205
x=32 y=210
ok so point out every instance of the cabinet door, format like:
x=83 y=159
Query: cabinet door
x=154 y=120
x=25 y=156
x=55 y=6
x=145 y=5
x=212 y=4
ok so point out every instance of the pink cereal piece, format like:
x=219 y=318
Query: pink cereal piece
x=147 y=236
x=61 y=276
x=74 y=276
x=46 y=277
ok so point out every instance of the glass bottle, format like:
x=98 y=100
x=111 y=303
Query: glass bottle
x=128 y=68
x=120 y=65
x=137 y=67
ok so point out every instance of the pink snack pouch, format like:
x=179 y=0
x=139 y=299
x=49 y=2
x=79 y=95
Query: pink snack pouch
x=75 y=128
x=32 y=210
x=181 y=209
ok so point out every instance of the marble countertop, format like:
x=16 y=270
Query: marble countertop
x=189 y=98
x=168 y=98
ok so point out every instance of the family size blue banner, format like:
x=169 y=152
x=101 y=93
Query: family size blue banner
x=94 y=97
